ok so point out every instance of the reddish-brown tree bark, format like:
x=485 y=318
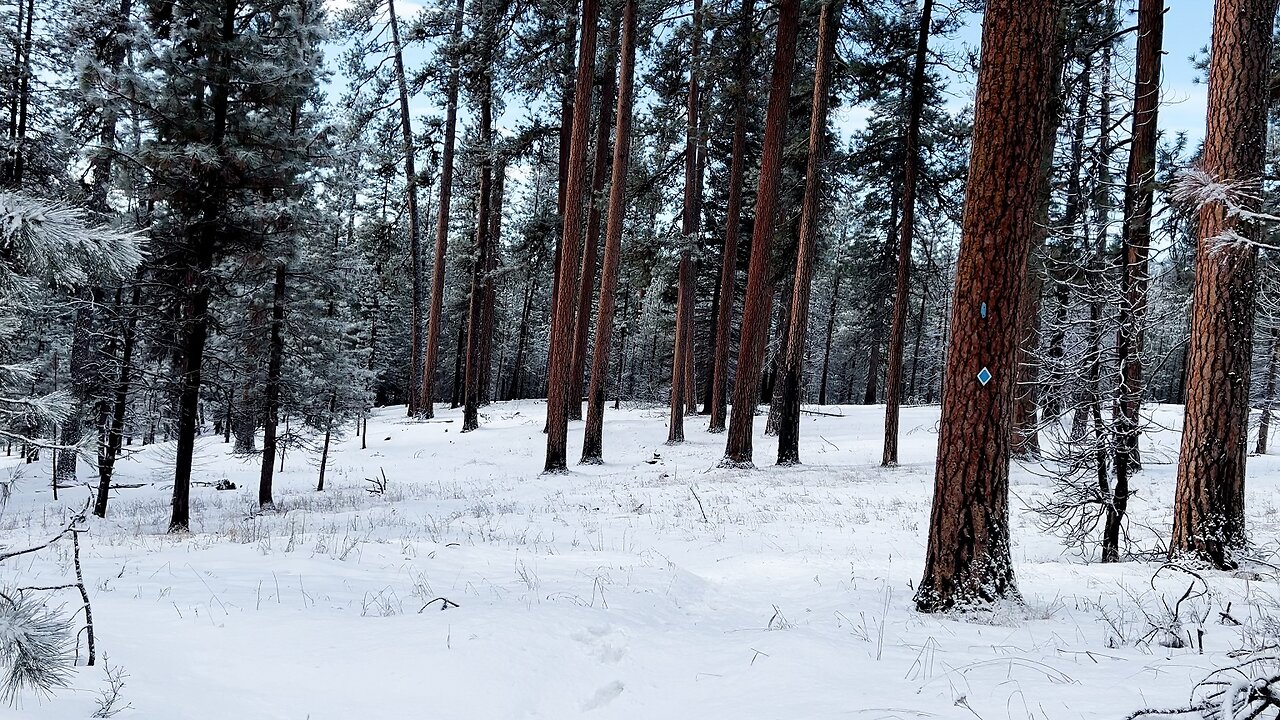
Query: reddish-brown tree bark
x=682 y=359
x=755 y=313
x=560 y=357
x=733 y=219
x=427 y=394
x=592 y=443
x=1208 y=514
x=968 y=560
x=587 y=283
x=1136 y=240
x=411 y=209
x=792 y=370
x=906 y=233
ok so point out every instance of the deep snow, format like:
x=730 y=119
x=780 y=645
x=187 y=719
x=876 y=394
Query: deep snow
x=603 y=593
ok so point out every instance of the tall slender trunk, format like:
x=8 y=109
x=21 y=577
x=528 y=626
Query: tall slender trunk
x=120 y=404
x=274 y=363
x=733 y=222
x=560 y=357
x=1269 y=394
x=480 y=260
x=196 y=286
x=793 y=362
x=599 y=172
x=490 y=291
x=906 y=233
x=831 y=329
x=434 y=317
x=680 y=381
x=968 y=560
x=755 y=313
x=1136 y=236
x=1208 y=516
x=1136 y=239
x=411 y=209
x=592 y=443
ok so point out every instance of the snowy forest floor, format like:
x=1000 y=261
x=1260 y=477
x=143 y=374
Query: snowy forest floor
x=604 y=592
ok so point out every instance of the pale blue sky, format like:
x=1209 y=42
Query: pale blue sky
x=1187 y=28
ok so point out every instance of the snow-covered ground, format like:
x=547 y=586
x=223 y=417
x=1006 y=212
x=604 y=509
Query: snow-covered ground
x=605 y=592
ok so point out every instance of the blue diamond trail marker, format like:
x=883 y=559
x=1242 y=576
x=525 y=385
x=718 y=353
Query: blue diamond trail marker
x=983 y=312
x=984 y=376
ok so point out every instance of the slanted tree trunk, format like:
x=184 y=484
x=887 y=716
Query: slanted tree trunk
x=560 y=357
x=733 y=222
x=1208 y=516
x=968 y=560
x=755 y=313
x=599 y=172
x=592 y=442
x=792 y=370
x=906 y=234
x=274 y=363
x=681 y=385
x=434 y=315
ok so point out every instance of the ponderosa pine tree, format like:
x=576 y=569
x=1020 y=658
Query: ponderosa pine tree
x=682 y=388
x=564 y=305
x=733 y=221
x=1139 y=197
x=906 y=234
x=968 y=560
x=756 y=310
x=593 y=437
x=427 y=400
x=217 y=144
x=1208 y=517
x=792 y=369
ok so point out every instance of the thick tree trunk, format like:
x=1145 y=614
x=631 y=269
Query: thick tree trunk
x=968 y=560
x=274 y=363
x=592 y=443
x=906 y=234
x=434 y=315
x=1208 y=517
x=755 y=314
x=488 y=310
x=797 y=331
x=560 y=357
x=411 y=209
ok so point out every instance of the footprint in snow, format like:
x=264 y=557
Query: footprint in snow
x=604 y=695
